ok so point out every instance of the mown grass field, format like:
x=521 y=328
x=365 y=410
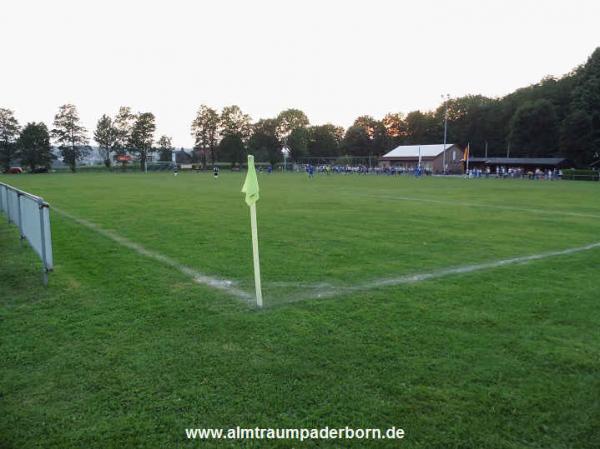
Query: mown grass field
x=121 y=350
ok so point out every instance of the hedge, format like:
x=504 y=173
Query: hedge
x=581 y=175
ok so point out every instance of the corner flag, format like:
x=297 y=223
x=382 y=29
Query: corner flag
x=250 y=188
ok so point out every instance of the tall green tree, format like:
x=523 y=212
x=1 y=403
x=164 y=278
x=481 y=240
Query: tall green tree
x=142 y=137
x=232 y=149
x=165 y=148
x=34 y=146
x=264 y=143
x=576 y=137
x=297 y=142
x=123 y=124
x=205 y=131
x=106 y=135
x=9 y=132
x=288 y=121
x=356 y=141
x=395 y=128
x=534 y=129
x=70 y=135
x=235 y=123
x=467 y=121
x=422 y=128
x=366 y=137
x=325 y=140
x=585 y=100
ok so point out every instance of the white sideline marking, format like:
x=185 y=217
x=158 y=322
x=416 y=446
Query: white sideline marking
x=325 y=290
x=419 y=277
x=489 y=206
x=200 y=278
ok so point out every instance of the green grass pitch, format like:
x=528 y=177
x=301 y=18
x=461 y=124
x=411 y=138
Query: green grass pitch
x=125 y=350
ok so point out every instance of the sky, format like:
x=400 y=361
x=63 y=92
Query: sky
x=335 y=60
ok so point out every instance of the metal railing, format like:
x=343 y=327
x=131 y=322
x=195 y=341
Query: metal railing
x=31 y=214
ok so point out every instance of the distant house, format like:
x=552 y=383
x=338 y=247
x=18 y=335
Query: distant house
x=57 y=161
x=182 y=157
x=123 y=158
x=92 y=156
x=431 y=157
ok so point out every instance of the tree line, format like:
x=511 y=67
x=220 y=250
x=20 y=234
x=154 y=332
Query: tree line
x=557 y=116
x=127 y=132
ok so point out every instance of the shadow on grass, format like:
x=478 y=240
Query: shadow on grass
x=20 y=270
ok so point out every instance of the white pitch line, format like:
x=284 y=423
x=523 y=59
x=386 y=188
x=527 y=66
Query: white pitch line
x=325 y=290
x=488 y=206
x=200 y=278
x=332 y=291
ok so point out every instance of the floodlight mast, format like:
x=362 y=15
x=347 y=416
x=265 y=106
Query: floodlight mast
x=286 y=152
x=446 y=98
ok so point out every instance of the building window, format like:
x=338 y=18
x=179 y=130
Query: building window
x=453 y=155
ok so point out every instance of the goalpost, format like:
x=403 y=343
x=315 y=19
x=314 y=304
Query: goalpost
x=160 y=166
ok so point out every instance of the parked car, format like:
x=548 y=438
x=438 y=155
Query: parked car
x=40 y=170
x=15 y=170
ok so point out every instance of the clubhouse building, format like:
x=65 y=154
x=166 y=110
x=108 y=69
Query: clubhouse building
x=431 y=158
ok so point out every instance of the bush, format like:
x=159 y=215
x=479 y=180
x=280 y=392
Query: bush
x=580 y=175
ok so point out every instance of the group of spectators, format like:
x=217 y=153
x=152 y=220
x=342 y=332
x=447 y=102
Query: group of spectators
x=487 y=172
x=516 y=172
x=361 y=170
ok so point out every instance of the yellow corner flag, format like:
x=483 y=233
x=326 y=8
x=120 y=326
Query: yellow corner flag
x=250 y=187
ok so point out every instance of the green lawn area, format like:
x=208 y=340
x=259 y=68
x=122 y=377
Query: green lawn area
x=121 y=350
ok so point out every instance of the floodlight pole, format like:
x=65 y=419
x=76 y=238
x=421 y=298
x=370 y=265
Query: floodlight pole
x=286 y=152
x=446 y=98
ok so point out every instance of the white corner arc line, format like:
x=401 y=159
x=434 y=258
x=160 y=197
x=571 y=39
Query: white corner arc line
x=327 y=290
x=487 y=206
x=332 y=291
x=198 y=277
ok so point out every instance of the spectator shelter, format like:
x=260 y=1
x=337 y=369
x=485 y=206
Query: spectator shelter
x=431 y=157
x=525 y=163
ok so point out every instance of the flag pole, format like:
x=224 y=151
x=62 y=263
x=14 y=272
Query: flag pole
x=257 y=286
x=468 y=155
x=251 y=190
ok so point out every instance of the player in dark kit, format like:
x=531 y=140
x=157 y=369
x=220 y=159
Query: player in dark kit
x=216 y=172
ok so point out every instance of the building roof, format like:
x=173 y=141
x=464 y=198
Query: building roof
x=412 y=151
x=182 y=157
x=520 y=160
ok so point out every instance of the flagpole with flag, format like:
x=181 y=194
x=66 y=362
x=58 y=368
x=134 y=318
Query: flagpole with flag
x=250 y=188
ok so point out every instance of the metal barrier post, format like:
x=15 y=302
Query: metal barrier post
x=43 y=239
x=7 y=206
x=27 y=230
x=21 y=234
